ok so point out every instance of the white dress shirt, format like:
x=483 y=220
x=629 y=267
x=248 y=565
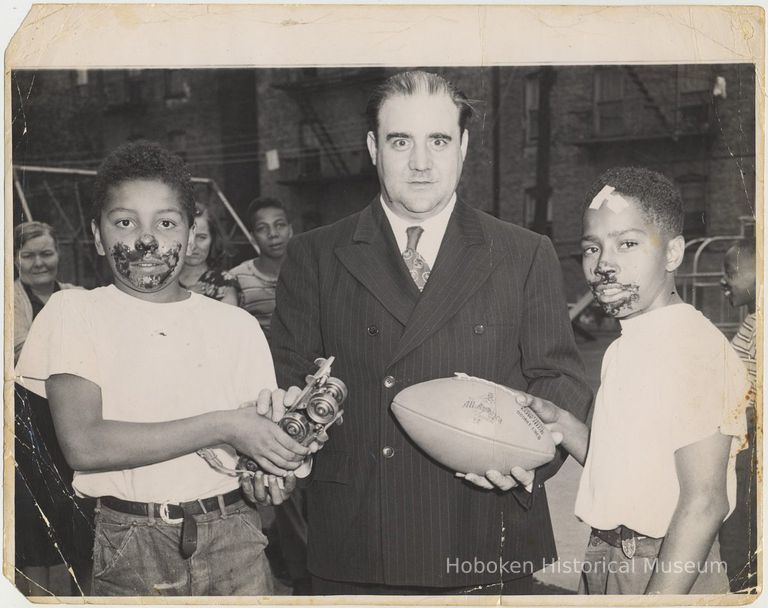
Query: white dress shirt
x=434 y=230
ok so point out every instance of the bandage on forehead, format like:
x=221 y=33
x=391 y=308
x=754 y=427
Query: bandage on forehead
x=608 y=196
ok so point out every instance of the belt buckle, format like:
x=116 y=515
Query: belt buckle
x=628 y=544
x=166 y=517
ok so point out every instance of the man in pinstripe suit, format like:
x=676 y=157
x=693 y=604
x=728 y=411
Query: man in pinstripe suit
x=416 y=286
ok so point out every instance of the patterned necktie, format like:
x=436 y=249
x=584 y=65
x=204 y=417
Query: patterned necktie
x=416 y=264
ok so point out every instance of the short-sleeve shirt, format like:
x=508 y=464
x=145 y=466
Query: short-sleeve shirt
x=257 y=292
x=670 y=380
x=154 y=363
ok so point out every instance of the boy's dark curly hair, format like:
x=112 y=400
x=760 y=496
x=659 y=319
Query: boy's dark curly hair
x=659 y=199
x=143 y=160
x=263 y=202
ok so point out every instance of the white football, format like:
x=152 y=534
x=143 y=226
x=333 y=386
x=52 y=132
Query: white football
x=472 y=425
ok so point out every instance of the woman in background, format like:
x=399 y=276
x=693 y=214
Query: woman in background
x=44 y=550
x=36 y=257
x=202 y=265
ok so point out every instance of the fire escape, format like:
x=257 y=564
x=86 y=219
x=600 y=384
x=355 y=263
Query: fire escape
x=323 y=160
x=648 y=104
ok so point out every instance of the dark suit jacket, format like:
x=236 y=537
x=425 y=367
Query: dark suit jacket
x=493 y=307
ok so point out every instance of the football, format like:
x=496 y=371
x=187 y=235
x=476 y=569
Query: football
x=471 y=425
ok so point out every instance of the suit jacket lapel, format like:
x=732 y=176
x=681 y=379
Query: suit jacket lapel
x=372 y=260
x=462 y=266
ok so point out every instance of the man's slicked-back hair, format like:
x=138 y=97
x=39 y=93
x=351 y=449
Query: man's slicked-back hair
x=659 y=199
x=413 y=83
x=148 y=161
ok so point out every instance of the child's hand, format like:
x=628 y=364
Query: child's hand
x=565 y=428
x=547 y=412
x=274 y=403
x=266 y=443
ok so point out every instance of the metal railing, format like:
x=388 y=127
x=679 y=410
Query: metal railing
x=695 y=285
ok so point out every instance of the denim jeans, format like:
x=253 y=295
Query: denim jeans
x=608 y=571
x=139 y=556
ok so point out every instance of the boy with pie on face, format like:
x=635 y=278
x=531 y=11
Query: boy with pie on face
x=140 y=375
x=658 y=476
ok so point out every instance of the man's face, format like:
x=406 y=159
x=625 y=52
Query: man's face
x=418 y=152
x=144 y=234
x=627 y=261
x=738 y=280
x=272 y=231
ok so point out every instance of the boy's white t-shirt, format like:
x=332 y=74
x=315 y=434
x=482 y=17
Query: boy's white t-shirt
x=670 y=380
x=153 y=363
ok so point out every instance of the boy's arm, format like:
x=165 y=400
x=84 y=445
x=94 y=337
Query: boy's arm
x=701 y=508
x=91 y=443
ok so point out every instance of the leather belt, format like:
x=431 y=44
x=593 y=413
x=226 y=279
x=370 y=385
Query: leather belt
x=622 y=538
x=182 y=513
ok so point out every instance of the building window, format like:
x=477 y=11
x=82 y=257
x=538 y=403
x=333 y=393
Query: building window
x=531 y=108
x=529 y=211
x=115 y=89
x=694 y=190
x=81 y=83
x=694 y=98
x=123 y=90
x=609 y=101
x=176 y=86
x=177 y=143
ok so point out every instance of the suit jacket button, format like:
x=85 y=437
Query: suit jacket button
x=389 y=382
x=373 y=330
x=478 y=329
x=388 y=451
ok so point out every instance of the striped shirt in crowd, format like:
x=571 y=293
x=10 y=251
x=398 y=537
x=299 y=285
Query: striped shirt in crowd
x=744 y=344
x=257 y=292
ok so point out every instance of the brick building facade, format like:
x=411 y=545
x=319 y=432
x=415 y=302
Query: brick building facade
x=299 y=134
x=663 y=117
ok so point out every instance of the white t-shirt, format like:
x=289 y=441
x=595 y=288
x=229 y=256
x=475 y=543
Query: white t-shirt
x=670 y=380
x=153 y=363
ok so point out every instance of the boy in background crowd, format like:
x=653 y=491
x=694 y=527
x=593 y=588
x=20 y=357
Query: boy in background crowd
x=738 y=535
x=258 y=277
